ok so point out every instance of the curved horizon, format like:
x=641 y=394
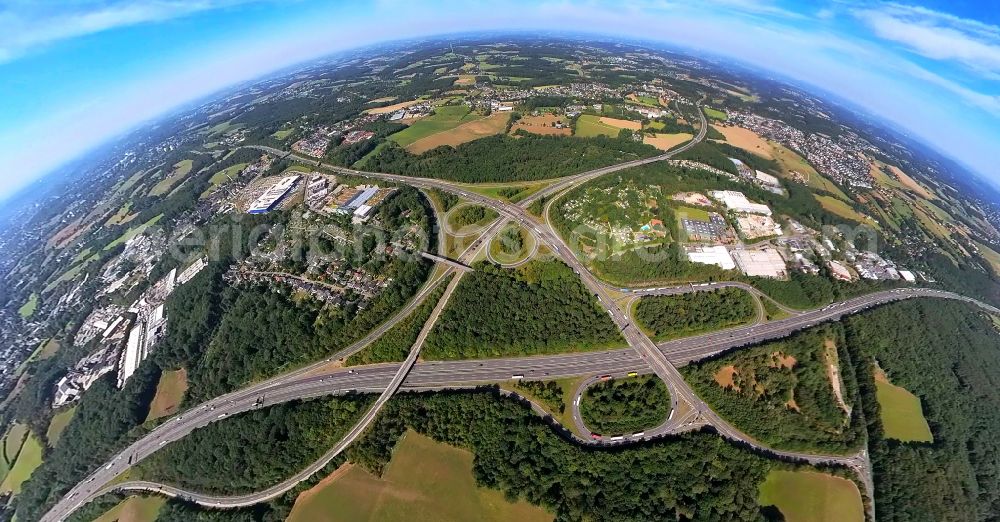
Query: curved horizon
x=132 y=63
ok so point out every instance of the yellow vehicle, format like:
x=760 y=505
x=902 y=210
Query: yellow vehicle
x=633 y=374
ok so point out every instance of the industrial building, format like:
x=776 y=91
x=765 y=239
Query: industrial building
x=710 y=255
x=273 y=195
x=766 y=262
x=754 y=226
x=738 y=202
x=358 y=201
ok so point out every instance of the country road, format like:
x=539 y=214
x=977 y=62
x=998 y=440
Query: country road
x=643 y=355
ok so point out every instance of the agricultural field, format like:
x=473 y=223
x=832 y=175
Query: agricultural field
x=46 y=349
x=542 y=124
x=223 y=176
x=746 y=139
x=122 y=216
x=71 y=273
x=809 y=496
x=390 y=108
x=990 y=255
x=791 y=162
x=169 y=394
x=445 y=118
x=282 y=134
x=590 y=126
x=180 y=169
x=132 y=232
x=58 y=424
x=471 y=130
x=715 y=114
x=13 y=440
x=911 y=184
x=28 y=308
x=425 y=481
x=666 y=141
x=28 y=458
x=648 y=101
x=844 y=210
x=134 y=509
x=901 y=412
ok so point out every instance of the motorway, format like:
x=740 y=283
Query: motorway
x=325 y=379
x=449 y=374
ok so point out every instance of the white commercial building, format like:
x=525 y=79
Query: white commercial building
x=767 y=179
x=738 y=202
x=711 y=255
x=766 y=262
x=271 y=196
x=133 y=353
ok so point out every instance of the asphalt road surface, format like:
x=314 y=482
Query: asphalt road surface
x=319 y=380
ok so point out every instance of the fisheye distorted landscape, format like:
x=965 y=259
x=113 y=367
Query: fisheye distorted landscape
x=508 y=261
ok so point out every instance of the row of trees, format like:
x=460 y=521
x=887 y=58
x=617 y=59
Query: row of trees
x=541 y=307
x=622 y=406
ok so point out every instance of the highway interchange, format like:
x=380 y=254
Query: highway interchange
x=327 y=377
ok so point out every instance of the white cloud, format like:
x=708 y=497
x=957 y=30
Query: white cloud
x=938 y=36
x=28 y=25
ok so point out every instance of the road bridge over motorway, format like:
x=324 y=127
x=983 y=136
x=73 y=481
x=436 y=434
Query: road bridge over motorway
x=643 y=355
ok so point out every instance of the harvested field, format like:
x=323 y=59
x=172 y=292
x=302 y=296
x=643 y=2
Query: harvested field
x=541 y=124
x=747 y=140
x=473 y=130
x=392 y=108
x=666 y=141
x=911 y=183
x=620 y=123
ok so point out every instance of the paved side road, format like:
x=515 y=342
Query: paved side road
x=432 y=375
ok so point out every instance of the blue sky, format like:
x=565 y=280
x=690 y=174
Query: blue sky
x=75 y=73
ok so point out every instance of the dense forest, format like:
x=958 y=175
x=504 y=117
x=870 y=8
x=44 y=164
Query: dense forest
x=623 y=406
x=949 y=356
x=504 y=158
x=105 y=421
x=256 y=449
x=672 y=316
x=781 y=393
x=395 y=344
x=471 y=215
x=548 y=393
x=540 y=307
x=518 y=453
